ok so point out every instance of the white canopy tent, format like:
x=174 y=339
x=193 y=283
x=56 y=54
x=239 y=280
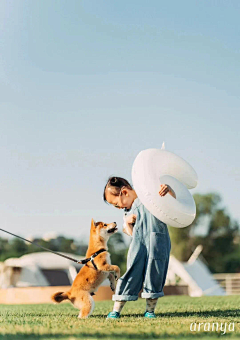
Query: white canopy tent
x=196 y=275
x=39 y=269
x=48 y=269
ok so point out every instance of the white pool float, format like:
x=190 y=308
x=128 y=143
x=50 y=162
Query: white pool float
x=153 y=167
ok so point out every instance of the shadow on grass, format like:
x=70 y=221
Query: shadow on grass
x=212 y=313
x=113 y=335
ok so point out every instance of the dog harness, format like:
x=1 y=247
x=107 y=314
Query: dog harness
x=92 y=257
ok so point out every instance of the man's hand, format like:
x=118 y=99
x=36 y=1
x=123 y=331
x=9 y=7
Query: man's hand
x=128 y=229
x=164 y=189
x=131 y=219
x=129 y=224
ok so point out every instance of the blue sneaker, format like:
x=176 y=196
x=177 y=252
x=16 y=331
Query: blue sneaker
x=113 y=315
x=149 y=315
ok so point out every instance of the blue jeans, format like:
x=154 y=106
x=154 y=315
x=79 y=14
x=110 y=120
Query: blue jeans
x=147 y=263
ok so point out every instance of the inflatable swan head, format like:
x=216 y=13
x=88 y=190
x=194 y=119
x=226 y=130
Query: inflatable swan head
x=153 y=167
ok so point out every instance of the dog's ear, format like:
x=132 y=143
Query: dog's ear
x=93 y=223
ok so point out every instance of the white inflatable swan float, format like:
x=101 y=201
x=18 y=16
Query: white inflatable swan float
x=153 y=167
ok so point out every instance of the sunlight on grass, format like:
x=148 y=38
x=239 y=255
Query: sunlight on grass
x=174 y=316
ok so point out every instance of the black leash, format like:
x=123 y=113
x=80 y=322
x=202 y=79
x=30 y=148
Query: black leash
x=67 y=257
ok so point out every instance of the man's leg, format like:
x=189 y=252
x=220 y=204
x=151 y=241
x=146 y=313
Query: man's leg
x=157 y=266
x=130 y=284
x=118 y=306
x=151 y=304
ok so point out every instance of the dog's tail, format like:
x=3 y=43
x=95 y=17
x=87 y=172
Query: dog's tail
x=59 y=297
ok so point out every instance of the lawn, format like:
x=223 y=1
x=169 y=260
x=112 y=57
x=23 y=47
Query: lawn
x=174 y=317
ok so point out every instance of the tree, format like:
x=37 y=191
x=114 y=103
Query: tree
x=16 y=247
x=117 y=249
x=215 y=230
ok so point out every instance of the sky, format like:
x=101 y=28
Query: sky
x=86 y=85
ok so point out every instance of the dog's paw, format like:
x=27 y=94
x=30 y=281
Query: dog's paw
x=113 y=287
x=116 y=276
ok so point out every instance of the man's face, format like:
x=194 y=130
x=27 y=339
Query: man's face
x=123 y=200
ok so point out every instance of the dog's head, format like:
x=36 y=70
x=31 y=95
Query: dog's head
x=103 y=229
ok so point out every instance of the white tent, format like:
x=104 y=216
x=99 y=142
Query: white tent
x=196 y=275
x=48 y=269
x=39 y=269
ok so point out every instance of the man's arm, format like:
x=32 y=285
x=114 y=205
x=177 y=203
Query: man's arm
x=165 y=188
x=128 y=225
x=172 y=193
x=128 y=229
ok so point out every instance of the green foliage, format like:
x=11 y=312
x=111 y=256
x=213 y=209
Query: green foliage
x=12 y=248
x=215 y=230
x=181 y=242
x=16 y=247
x=117 y=249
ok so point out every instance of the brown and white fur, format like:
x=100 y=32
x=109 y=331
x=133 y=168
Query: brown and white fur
x=89 y=279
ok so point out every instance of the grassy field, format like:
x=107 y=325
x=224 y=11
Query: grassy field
x=174 y=317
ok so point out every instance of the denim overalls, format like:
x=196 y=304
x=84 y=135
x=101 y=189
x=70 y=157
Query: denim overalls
x=147 y=259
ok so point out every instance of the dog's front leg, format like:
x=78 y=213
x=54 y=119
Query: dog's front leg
x=110 y=268
x=112 y=281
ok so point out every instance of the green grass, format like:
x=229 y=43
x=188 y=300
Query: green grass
x=174 y=316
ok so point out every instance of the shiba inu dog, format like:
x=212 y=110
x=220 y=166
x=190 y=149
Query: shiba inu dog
x=91 y=275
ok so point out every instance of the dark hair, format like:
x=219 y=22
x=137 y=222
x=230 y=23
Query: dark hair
x=116 y=184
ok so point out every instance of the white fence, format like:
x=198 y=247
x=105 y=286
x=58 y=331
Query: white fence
x=230 y=282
